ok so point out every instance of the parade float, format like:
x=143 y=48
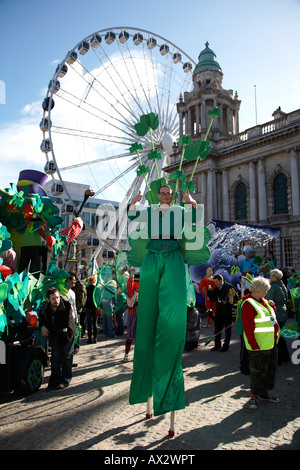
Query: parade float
x=27 y=216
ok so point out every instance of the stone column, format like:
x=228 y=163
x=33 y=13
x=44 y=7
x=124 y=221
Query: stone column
x=253 y=192
x=236 y=122
x=262 y=192
x=221 y=118
x=211 y=195
x=187 y=121
x=225 y=195
x=180 y=124
x=197 y=118
x=203 y=117
x=295 y=182
x=203 y=190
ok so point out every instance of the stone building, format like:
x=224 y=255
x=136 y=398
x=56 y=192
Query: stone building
x=252 y=177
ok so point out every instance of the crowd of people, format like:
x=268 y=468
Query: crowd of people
x=262 y=307
x=262 y=310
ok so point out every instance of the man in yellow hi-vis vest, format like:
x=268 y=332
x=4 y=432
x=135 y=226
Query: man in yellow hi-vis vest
x=261 y=334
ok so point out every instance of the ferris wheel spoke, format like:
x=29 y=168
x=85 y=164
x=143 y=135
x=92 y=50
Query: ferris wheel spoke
x=103 y=96
x=149 y=81
x=165 y=88
x=155 y=85
x=134 y=97
x=93 y=162
x=137 y=74
x=183 y=88
x=93 y=135
x=108 y=117
x=116 y=178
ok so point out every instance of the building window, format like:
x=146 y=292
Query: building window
x=86 y=217
x=241 y=202
x=288 y=252
x=280 y=192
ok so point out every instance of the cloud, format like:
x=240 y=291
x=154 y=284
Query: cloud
x=20 y=146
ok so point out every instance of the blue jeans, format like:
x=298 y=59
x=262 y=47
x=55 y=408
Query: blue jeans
x=108 y=325
x=61 y=362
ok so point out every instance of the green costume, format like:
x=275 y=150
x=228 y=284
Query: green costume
x=164 y=250
x=162 y=307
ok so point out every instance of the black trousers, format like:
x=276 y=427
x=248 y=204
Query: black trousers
x=222 y=320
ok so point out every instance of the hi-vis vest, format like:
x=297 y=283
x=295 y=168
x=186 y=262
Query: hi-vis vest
x=265 y=321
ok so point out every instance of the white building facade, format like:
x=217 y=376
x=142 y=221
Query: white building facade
x=252 y=177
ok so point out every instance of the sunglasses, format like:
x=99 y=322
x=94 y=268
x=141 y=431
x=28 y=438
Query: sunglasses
x=166 y=194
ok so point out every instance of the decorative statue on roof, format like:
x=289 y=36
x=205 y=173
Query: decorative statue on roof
x=170 y=241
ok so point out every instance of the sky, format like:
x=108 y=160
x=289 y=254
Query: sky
x=256 y=44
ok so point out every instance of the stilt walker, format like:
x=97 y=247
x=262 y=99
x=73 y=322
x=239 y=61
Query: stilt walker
x=163 y=250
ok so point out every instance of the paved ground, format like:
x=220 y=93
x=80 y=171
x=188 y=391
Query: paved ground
x=93 y=412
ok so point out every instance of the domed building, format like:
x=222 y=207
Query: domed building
x=250 y=178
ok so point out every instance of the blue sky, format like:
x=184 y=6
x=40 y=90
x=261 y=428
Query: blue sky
x=256 y=43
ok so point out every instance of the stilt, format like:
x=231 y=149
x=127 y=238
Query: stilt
x=148 y=413
x=172 y=424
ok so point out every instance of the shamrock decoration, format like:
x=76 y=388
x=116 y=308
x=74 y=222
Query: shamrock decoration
x=294 y=280
x=147 y=122
x=54 y=277
x=248 y=278
x=154 y=155
x=199 y=150
x=265 y=269
x=188 y=186
x=142 y=170
x=215 y=112
x=17 y=289
x=185 y=139
x=234 y=270
x=135 y=148
x=17 y=200
x=178 y=175
x=257 y=259
x=4 y=243
x=61 y=241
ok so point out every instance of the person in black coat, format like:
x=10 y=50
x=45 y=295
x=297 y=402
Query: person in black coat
x=225 y=295
x=57 y=323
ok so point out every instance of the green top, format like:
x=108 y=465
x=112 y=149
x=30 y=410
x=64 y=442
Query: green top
x=207 y=60
x=164 y=228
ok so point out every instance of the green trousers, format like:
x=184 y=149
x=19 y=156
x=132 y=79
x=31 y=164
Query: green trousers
x=161 y=332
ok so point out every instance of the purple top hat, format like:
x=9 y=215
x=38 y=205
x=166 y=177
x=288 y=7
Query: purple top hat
x=34 y=179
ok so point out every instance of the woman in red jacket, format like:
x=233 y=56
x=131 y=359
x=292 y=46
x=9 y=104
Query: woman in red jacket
x=261 y=334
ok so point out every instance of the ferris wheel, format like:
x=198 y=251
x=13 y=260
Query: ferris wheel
x=96 y=96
